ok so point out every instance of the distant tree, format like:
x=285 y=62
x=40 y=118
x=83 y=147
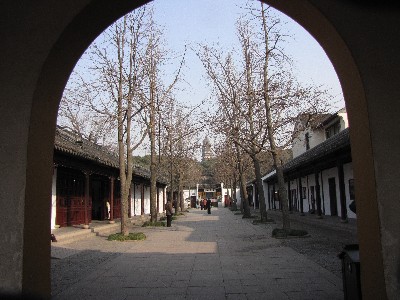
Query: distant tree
x=154 y=97
x=179 y=147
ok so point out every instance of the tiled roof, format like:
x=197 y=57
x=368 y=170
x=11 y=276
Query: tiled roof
x=70 y=143
x=331 y=145
x=332 y=117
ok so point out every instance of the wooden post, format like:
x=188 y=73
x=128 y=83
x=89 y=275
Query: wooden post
x=318 y=195
x=130 y=201
x=111 y=199
x=158 y=201
x=301 y=197
x=289 y=196
x=342 y=193
x=134 y=199
x=164 y=199
x=86 y=199
x=142 y=199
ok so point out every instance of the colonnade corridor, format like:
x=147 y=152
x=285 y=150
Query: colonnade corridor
x=202 y=256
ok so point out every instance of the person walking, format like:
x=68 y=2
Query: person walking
x=169 y=212
x=201 y=204
x=209 y=206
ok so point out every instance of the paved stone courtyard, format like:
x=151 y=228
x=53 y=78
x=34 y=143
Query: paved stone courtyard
x=217 y=256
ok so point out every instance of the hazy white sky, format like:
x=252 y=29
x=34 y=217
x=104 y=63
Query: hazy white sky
x=213 y=21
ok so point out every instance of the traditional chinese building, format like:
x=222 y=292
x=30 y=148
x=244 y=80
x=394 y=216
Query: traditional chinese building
x=86 y=185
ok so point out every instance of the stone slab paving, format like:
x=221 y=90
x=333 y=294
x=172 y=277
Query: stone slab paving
x=217 y=256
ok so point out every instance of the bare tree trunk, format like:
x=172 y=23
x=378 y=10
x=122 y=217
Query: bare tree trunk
x=152 y=133
x=261 y=197
x=180 y=193
x=282 y=193
x=243 y=191
x=283 y=198
x=125 y=169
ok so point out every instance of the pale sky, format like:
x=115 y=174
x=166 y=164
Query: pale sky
x=213 y=21
x=209 y=22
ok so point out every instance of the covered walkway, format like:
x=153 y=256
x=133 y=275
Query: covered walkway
x=217 y=256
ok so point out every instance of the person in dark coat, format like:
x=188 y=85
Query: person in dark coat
x=209 y=206
x=169 y=212
x=202 y=204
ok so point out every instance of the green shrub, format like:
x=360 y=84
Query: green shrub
x=135 y=236
x=249 y=217
x=153 y=224
x=268 y=221
x=282 y=233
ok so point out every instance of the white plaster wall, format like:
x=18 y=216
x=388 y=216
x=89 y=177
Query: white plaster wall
x=326 y=174
x=298 y=145
x=348 y=174
x=137 y=201
x=186 y=193
x=160 y=200
x=293 y=186
x=271 y=193
x=305 y=200
x=316 y=137
x=224 y=192
x=146 y=200
x=266 y=191
x=132 y=200
x=310 y=181
x=344 y=122
x=238 y=198
x=54 y=200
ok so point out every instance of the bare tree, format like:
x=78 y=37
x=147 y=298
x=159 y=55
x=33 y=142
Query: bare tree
x=180 y=146
x=259 y=95
x=111 y=91
x=284 y=98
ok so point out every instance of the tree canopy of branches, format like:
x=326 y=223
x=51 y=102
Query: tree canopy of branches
x=122 y=91
x=259 y=99
x=179 y=148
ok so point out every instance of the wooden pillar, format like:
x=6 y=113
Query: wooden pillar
x=86 y=199
x=134 y=199
x=269 y=196
x=289 y=196
x=158 y=201
x=342 y=192
x=142 y=198
x=130 y=201
x=164 y=199
x=111 y=199
x=318 y=195
x=301 y=197
x=323 y=193
x=274 y=197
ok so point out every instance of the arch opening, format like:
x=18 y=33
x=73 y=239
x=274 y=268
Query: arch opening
x=76 y=37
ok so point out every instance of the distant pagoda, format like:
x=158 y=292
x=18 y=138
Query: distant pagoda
x=206 y=152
